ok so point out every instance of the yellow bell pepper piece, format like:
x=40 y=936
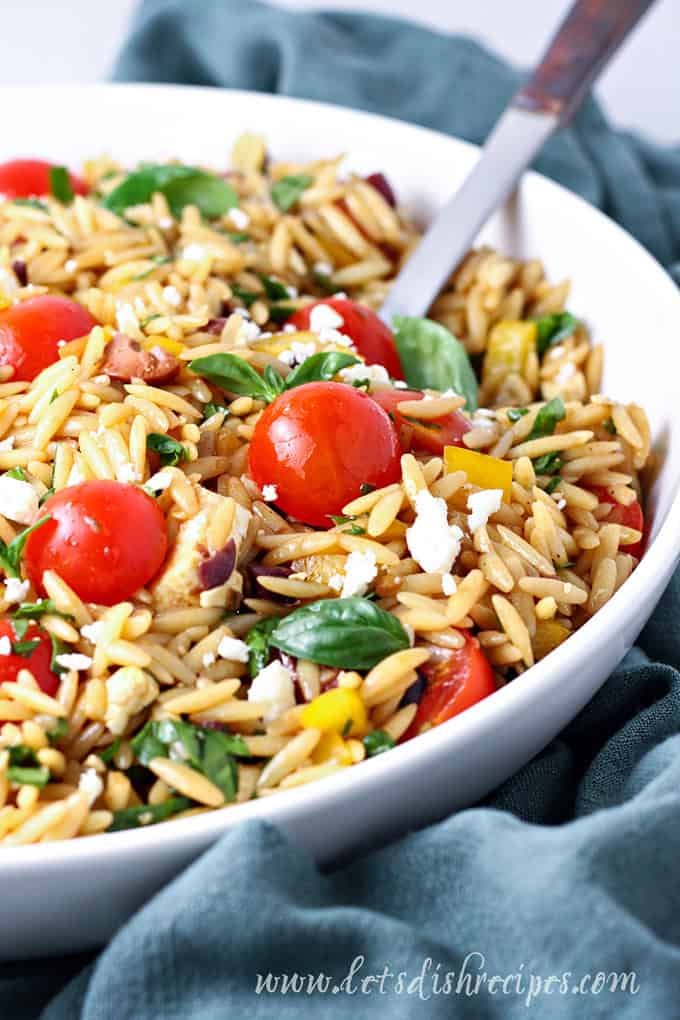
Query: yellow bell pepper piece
x=331 y=748
x=481 y=469
x=5 y=301
x=339 y=710
x=510 y=344
x=548 y=636
x=171 y=346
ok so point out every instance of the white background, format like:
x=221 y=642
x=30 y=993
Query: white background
x=76 y=40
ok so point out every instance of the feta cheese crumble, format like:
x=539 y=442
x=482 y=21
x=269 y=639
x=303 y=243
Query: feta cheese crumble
x=432 y=541
x=126 y=318
x=5 y=645
x=297 y=353
x=18 y=499
x=74 y=661
x=361 y=568
x=270 y=493
x=127 y=473
x=324 y=317
x=373 y=373
x=92 y=631
x=449 y=586
x=172 y=296
x=327 y=335
x=15 y=590
x=128 y=690
x=70 y=265
x=91 y=785
x=233 y=649
x=481 y=505
x=249 y=330
x=194 y=253
x=239 y=218
x=208 y=660
x=274 y=686
x=323 y=268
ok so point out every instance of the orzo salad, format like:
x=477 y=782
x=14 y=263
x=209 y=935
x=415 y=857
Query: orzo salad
x=249 y=534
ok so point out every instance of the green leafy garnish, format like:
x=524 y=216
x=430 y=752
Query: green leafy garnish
x=235 y=375
x=551 y=329
x=46 y=495
x=377 y=741
x=547 y=418
x=25 y=768
x=552 y=484
x=341 y=518
x=515 y=413
x=169 y=450
x=110 y=752
x=211 y=408
x=58 y=648
x=10 y=555
x=237 y=236
x=181 y=185
x=287 y=191
x=160 y=260
x=25 y=648
x=548 y=464
x=147 y=814
x=34 y=610
x=145 y=322
x=246 y=297
x=324 y=282
x=259 y=644
x=60 y=184
x=281 y=313
x=609 y=425
x=18 y=473
x=58 y=731
x=32 y=203
x=274 y=289
x=351 y=633
x=432 y=358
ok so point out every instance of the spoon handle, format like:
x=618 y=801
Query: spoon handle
x=590 y=34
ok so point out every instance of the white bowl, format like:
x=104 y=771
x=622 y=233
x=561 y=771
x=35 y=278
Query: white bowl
x=69 y=896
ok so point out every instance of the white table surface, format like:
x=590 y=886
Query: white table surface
x=76 y=40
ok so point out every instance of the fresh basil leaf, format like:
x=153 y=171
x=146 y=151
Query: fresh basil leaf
x=110 y=752
x=25 y=648
x=547 y=418
x=169 y=450
x=259 y=644
x=211 y=408
x=274 y=289
x=10 y=555
x=377 y=741
x=246 y=297
x=21 y=754
x=551 y=329
x=60 y=184
x=31 y=203
x=287 y=191
x=219 y=765
x=34 y=610
x=274 y=381
x=281 y=313
x=320 y=367
x=38 y=776
x=147 y=814
x=17 y=473
x=515 y=413
x=548 y=464
x=552 y=484
x=432 y=358
x=181 y=185
x=350 y=633
x=233 y=374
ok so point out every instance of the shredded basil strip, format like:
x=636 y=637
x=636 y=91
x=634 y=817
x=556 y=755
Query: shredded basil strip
x=25 y=648
x=351 y=633
x=274 y=289
x=147 y=814
x=547 y=418
x=280 y=313
x=181 y=185
x=34 y=610
x=432 y=358
x=10 y=555
x=235 y=375
x=377 y=741
x=548 y=464
x=109 y=753
x=17 y=473
x=552 y=484
x=58 y=731
x=551 y=329
x=31 y=203
x=169 y=450
x=286 y=192
x=515 y=413
x=24 y=767
x=246 y=297
x=60 y=184
x=259 y=644
x=211 y=408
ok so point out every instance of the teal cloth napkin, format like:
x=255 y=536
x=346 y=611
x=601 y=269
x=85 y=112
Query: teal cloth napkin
x=571 y=869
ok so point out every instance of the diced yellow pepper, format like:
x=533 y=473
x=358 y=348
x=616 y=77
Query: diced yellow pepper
x=339 y=710
x=548 y=636
x=481 y=469
x=5 y=302
x=171 y=346
x=510 y=344
x=331 y=748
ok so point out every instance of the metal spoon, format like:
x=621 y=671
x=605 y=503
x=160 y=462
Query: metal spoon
x=590 y=34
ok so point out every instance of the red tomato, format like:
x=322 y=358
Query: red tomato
x=369 y=334
x=23 y=178
x=30 y=332
x=105 y=539
x=431 y=437
x=456 y=683
x=38 y=662
x=629 y=516
x=318 y=444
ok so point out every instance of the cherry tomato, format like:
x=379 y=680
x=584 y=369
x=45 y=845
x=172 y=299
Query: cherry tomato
x=369 y=334
x=318 y=444
x=629 y=516
x=37 y=661
x=462 y=679
x=105 y=539
x=431 y=436
x=23 y=178
x=30 y=332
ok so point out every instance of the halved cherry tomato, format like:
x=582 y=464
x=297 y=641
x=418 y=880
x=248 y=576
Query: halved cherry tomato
x=431 y=436
x=23 y=178
x=318 y=444
x=369 y=334
x=105 y=539
x=462 y=679
x=30 y=332
x=629 y=516
x=37 y=661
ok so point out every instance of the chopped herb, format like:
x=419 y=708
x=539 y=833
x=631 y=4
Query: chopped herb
x=356 y=530
x=32 y=203
x=364 y=384
x=58 y=731
x=24 y=767
x=54 y=395
x=286 y=192
x=547 y=418
x=58 y=648
x=34 y=610
x=432 y=358
x=145 y=322
x=323 y=282
x=237 y=236
x=60 y=184
x=10 y=555
x=160 y=260
x=181 y=185
x=515 y=413
x=551 y=329
x=552 y=484
x=110 y=752
x=548 y=464
x=170 y=451
x=281 y=313
x=25 y=648
x=366 y=487
x=609 y=425
x=17 y=472
x=274 y=289
x=347 y=728
x=246 y=297
x=432 y=425
x=211 y=409
x=341 y=518
x=235 y=375
x=45 y=496
x=377 y=741
x=147 y=814
x=259 y=644
x=20 y=628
